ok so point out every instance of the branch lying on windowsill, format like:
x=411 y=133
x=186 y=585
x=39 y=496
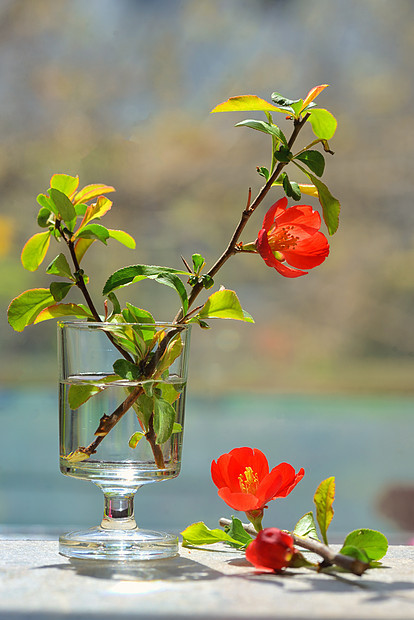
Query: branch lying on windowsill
x=329 y=556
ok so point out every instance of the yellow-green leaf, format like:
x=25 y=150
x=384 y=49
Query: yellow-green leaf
x=305 y=188
x=245 y=103
x=224 y=304
x=24 y=309
x=57 y=310
x=323 y=123
x=79 y=394
x=135 y=438
x=200 y=534
x=374 y=544
x=92 y=191
x=122 y=237
x=60 y=267
x=96 y=211
x=35 y=250
x=65 y=183
x=81 y=246
x=172 y=351
x=64 y=206
x=324 y=498
x=312 y=94
x=77 y=455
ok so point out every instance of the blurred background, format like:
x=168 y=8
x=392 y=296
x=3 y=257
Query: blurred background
x=119 y=92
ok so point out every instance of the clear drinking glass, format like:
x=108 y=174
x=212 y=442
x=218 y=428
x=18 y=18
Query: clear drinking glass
x=121 y=411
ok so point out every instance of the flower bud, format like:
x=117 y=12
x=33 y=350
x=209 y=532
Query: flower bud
x=272 y=549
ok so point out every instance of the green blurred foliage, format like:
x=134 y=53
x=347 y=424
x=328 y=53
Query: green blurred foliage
x=119 y=91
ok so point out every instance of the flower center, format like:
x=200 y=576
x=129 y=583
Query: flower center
x=249 y=481
x=280 y=238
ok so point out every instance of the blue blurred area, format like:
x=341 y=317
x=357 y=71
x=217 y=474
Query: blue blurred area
x=364 y=442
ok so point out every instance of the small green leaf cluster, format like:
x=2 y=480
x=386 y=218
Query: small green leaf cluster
x=365 y=545
x=69 y=214
x=308 y=160
x=205 y=280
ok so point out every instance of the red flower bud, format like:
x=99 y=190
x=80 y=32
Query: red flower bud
x=272 y=549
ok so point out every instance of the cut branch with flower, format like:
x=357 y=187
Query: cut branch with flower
x=289 y=236
x=245 y=484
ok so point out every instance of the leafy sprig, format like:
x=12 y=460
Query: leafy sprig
x=361 y=549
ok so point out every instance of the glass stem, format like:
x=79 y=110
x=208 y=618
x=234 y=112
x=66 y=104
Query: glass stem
x=118 y=512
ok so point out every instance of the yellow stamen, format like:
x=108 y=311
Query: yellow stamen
x=280 y=238
x=249 y=481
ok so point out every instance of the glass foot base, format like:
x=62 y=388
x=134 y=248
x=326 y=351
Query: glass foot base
x=98 y=543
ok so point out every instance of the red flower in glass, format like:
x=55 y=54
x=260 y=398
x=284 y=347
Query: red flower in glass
x=292 y=235
x=272 y=549
x=244 y=482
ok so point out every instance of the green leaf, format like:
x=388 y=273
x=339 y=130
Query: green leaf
x=136 y=273
x=122 y=237
x=24 y=309
x=35 y=250
x=373 y=543
x=306 y=526
x=57 y=310
x=132 y=314
x=144 y=408
x=116 y=308
x=330 y=205
x=237 y=532
x=177 y=428
x=324 y=498
x=268 y=128
x=46 y=203
x=59 y=290
x=93 y=231
x=172 y=352
x=43 y=217
x=314 y=160
x=65 y=183
x=285 y=104
x=131 y=337
x=207 y=281
x=135 y=438
x=171 y=391
x=283 y=155
x=92 y=191
x=291 y=188
x=127 y=370
x=79 y=394
x=60 y=267
x=81 y=209
x=200 y=534
x=245 y=103
x=354 y=552
x=264 y=172
x=64 y=206
x=323 y=123
x=224 y=304
x=164 y=416
x=198 y=262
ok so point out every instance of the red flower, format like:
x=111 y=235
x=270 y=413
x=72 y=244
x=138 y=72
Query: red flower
x=244 y=482
x=272 y=549
x=292 y=235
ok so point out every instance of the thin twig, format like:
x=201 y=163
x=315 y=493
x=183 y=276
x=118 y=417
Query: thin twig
x=330 y=557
